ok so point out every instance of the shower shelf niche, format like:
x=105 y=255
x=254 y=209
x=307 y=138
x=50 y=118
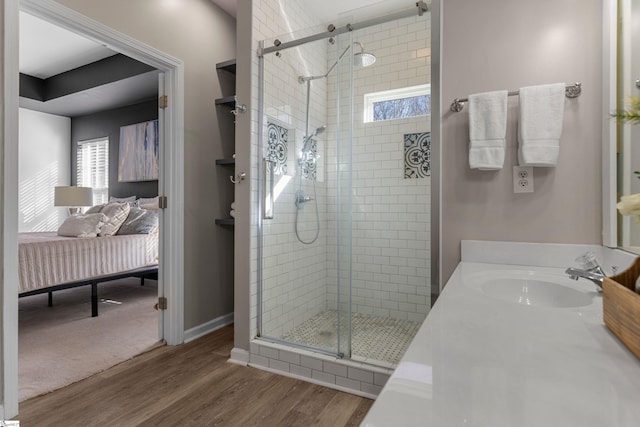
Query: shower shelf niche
x=226 y=72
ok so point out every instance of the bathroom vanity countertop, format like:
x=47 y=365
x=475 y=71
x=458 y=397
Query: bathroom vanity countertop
x=483 y=360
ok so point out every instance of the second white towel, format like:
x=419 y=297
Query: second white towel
x=540 y=124
x=487 y=129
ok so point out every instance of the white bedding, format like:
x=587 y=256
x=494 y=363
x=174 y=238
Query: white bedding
x=46 y=259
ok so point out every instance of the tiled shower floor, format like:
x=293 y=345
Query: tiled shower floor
x=376 y=340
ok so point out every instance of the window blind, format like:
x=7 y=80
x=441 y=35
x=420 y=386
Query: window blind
x=92 y=168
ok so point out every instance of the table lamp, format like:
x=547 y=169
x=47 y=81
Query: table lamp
x=73 y=197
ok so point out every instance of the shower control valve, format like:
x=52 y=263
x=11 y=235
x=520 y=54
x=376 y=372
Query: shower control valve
x=301 y=199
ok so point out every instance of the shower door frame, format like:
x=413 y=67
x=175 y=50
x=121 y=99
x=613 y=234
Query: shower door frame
x=260 y=213
x=436 y=155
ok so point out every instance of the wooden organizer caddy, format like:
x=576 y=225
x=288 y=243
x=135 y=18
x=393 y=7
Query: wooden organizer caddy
x=621 y=306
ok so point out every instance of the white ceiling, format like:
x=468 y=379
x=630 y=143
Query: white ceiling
x=328 y=10
x=47 y=50
x=228 y=6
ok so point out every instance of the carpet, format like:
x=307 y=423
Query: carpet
x=63 y=344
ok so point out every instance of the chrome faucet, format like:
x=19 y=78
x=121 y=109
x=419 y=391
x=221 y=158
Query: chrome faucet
x=591 y=270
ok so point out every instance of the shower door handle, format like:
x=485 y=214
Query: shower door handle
x=268 y=167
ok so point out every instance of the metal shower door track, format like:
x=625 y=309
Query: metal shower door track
x=333 y=31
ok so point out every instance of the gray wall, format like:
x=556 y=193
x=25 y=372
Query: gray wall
x=493 y=44
x=200 y=34
x=108 y=123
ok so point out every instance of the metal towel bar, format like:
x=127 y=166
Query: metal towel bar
x=571 y=91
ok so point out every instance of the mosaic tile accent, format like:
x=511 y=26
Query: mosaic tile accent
x=417 y=155
x=310 y=166
x=277 y=147
x=374 y=338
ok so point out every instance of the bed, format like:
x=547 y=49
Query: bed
x=49 y=262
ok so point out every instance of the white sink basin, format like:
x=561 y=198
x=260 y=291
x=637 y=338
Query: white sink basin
x=533 y=289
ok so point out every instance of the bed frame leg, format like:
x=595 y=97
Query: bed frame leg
x=50 y=302
x=94 y=299
x=142 y=280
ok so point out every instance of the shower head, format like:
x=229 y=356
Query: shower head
x=318 y=131
x=362 y=58
x=307 y=139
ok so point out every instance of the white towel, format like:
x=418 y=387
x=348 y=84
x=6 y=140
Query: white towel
x=487 y=129
x=232 y=213
x=540 y=124
x=233 y=205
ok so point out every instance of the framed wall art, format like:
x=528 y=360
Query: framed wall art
x=138 y=154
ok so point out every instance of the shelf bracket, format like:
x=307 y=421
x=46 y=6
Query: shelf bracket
x=241 y=177
x=240 y=108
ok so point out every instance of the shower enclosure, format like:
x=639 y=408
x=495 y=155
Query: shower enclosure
x=344 y=191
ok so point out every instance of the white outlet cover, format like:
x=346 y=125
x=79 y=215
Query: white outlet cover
x=523 y=179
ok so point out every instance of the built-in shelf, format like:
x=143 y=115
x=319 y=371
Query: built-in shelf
x=229 y=66
x=227 y=100
x=228 y=161
x=225 y=221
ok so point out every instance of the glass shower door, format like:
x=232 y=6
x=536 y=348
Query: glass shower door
x=298 y=227
x=344 y=235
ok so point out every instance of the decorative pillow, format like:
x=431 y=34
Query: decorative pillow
x=122 y=199
x=151 y=203
x=94 y=209
x=131 y=200
x=140 y=221
x=83 y=225
x=117 y=214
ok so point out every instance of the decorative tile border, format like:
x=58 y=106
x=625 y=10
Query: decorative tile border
x=417 y=155
x=278 y=146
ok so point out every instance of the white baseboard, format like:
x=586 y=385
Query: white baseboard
x=239 y=356
x=206 y=328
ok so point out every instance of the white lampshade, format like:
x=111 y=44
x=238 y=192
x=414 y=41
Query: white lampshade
x=73 y=196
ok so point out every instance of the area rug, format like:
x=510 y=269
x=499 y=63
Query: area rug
x=62 y=344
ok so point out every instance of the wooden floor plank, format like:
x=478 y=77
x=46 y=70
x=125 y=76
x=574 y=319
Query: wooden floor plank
x=192 y=385
x=338 y=411
x=359 y=413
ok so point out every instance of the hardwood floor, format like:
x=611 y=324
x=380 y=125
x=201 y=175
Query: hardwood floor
x=192 y=385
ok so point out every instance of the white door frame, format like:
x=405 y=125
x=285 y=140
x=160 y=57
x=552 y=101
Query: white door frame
x=171 y=179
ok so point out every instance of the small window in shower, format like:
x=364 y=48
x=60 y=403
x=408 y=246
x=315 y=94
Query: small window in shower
x=397 y=103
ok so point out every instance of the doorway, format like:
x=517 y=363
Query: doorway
x=170 y=180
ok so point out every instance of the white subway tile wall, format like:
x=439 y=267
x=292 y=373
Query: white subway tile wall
x=391 y=215
x=389 y=266
x=359 y=378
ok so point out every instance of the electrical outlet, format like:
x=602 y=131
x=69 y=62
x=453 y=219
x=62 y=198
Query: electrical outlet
x=523 y=179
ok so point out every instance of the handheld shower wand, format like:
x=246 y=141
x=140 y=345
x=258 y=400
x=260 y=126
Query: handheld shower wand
x=306 y=143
